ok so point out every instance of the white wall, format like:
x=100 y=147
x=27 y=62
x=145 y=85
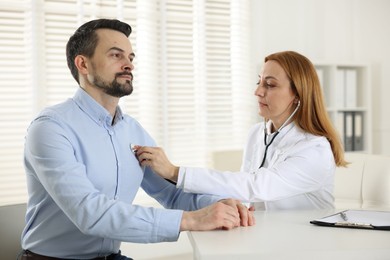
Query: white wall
x=334 y=31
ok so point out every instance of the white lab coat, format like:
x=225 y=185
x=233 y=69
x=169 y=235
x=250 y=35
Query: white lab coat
x=298 y=173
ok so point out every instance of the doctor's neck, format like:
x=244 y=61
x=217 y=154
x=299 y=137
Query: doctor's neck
x=276 y=127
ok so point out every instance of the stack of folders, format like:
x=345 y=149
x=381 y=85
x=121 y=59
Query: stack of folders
x=367 y=219
x=347 y=85
x=353 y=130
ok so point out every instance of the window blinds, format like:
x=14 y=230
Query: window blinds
x=15 y=97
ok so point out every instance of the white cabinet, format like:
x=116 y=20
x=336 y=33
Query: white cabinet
x=347 y=94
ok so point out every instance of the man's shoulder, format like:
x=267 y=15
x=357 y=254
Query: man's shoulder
x=58 y=110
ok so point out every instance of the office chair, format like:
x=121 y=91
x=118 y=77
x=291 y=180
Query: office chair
x=12 y=221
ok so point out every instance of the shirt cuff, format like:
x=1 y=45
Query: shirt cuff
x=168 y=225
x=181 y=177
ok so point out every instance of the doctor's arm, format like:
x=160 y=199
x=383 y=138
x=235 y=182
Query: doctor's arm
x=303 y=169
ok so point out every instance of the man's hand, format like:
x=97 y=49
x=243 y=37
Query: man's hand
x=216 y=216
x=246 y=215
x=155 y=158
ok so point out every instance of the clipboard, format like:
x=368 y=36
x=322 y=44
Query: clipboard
x=364 y=219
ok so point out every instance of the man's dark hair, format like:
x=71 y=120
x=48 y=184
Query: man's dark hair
x=85 y=39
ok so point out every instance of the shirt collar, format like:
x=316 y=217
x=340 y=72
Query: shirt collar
x=94 y=110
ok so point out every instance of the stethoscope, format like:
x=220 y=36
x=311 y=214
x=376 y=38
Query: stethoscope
x=273 y=135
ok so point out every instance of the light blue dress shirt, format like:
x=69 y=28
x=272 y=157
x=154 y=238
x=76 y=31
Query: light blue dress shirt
x=82 y=178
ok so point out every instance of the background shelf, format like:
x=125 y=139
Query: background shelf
x=348 y=99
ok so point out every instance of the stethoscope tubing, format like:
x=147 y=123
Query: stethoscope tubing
x=267 y=145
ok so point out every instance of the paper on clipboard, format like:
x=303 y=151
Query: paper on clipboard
x=357 y=219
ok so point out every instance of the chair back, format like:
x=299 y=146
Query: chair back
x=227 y=160
x=365 y=183
x=12 y=221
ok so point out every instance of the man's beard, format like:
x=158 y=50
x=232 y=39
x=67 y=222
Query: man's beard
x=115 y=88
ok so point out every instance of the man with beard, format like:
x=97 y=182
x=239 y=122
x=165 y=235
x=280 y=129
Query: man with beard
x=82 y=174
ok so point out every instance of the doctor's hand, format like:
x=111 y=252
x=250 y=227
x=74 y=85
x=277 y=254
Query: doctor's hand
x=155 y=158
x=246 y=215
x=216 y=216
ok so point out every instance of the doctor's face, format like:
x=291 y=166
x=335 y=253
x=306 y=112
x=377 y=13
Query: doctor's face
x=274 y=93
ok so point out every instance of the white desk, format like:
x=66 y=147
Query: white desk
x=289 y=235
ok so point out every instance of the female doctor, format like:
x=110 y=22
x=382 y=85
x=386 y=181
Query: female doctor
x=289 y=159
